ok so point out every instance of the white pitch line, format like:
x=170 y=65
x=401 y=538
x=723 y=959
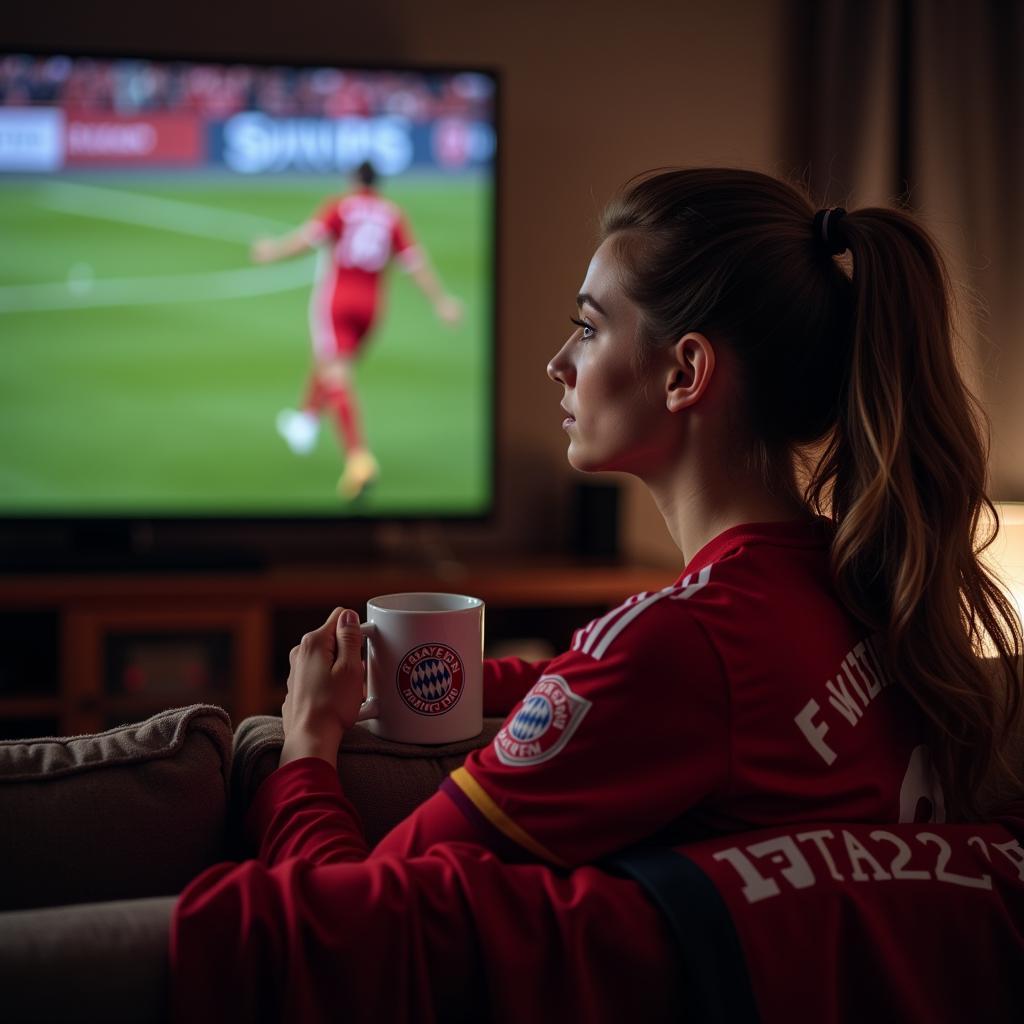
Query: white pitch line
x=159 y=289
x=176 y=215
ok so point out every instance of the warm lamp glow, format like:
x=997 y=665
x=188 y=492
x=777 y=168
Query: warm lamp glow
x=1006 y=553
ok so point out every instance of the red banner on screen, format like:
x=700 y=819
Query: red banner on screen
x=149 y=139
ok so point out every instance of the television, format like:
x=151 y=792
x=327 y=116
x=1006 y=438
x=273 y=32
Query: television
x=223 y=285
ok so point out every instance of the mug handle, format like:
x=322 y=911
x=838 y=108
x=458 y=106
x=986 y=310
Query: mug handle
x=369 y=708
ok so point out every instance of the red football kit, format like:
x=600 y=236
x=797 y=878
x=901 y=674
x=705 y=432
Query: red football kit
x=741 y=697
x=364 y=231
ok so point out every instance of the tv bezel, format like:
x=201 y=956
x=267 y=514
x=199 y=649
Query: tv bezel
x=123 y=530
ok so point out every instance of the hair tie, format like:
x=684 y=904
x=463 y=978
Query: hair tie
x=828 y=230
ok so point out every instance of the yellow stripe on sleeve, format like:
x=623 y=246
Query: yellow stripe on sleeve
x=499 y=819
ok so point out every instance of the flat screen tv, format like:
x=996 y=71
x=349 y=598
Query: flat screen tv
x=163 y=361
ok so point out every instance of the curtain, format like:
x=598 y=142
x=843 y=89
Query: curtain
x=920 y=104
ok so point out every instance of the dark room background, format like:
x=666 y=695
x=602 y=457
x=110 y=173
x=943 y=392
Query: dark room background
x=915 y=103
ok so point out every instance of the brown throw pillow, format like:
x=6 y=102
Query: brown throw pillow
x=385 y=780
x=134 y=811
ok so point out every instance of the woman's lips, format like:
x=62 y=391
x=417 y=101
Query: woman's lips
x=568 y=420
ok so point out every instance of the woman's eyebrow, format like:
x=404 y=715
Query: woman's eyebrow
x=590 y=301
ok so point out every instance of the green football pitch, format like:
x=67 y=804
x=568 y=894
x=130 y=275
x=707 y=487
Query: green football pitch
x=145 y=359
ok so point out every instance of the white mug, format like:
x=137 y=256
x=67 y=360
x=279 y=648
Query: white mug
x=424 y=667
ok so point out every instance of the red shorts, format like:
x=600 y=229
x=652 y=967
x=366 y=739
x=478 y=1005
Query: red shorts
x=342 y=310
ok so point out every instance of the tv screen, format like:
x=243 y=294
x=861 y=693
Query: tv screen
x=245 y=290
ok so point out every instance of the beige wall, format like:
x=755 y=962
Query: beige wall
x=592 y=93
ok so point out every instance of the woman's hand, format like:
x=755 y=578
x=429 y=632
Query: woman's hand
x=326 y=686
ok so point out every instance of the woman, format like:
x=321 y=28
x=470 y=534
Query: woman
x=815 y=661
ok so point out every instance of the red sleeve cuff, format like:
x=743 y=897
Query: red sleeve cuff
x=300 y=777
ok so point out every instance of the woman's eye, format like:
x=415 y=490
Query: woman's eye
x=583 y=326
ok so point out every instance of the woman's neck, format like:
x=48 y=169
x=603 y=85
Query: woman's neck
x=700 y=501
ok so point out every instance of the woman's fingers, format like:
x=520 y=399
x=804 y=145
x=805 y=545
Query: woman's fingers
x=350 y=637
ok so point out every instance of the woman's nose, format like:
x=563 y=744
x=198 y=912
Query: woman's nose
x=559 y=367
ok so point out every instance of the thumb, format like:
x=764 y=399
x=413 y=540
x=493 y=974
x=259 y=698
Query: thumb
x=350 y=637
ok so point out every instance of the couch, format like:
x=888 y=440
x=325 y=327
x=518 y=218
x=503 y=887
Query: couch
x=98 y=834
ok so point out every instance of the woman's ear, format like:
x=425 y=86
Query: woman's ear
x=691 y=366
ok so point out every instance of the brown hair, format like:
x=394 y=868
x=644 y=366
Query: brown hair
x=850 y=366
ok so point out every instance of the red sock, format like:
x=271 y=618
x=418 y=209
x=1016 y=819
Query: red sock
x=341 y=399
x=314 y=400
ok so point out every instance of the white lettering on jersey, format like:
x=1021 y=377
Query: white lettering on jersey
x=597 y=636
x=887 y=861
x=859 y=854
x=815 y=731
x=857 y=683
x=843 y=702
x=781 y=851
x=365 y=240
x=1013 y=853
x=903 y=854
x=942 y=874
x=818 y=837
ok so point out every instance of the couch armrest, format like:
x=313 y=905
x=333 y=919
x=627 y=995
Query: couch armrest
x=128 y=813
x=386 y=781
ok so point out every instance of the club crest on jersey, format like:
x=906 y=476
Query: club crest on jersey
x=547 y=718
x=431 y=679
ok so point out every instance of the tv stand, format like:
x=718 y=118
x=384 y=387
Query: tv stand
x=84 y=651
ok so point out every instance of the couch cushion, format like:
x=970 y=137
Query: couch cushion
x=385 y=780
x=92 y=962
x=131 y=812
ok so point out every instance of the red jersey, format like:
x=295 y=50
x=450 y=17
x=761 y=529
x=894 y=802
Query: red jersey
x=851 y=923
x=365 y=232
x=742 y=696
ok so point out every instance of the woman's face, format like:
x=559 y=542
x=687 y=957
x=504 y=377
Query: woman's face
x=617 y=414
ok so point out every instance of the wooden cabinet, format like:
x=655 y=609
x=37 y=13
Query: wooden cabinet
x=86 y=652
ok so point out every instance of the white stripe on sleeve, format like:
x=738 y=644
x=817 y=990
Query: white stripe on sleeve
x=606 y=630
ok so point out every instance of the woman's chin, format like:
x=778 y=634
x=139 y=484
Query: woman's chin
x=580 y=462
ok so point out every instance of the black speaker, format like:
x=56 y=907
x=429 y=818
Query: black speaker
x=594 y=521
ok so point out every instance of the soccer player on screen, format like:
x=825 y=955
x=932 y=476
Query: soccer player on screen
x=364 y=232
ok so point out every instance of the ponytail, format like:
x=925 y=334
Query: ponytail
x=850 y=367
x=905 y=475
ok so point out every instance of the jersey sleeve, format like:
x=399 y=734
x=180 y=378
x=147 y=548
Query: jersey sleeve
x=300 y=810
x=618 y=738
x=327 y=222
x=436 y=820
x=506 y=682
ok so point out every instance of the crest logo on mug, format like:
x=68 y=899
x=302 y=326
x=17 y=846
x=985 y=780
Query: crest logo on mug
x=433 y=693
x=431 y=679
